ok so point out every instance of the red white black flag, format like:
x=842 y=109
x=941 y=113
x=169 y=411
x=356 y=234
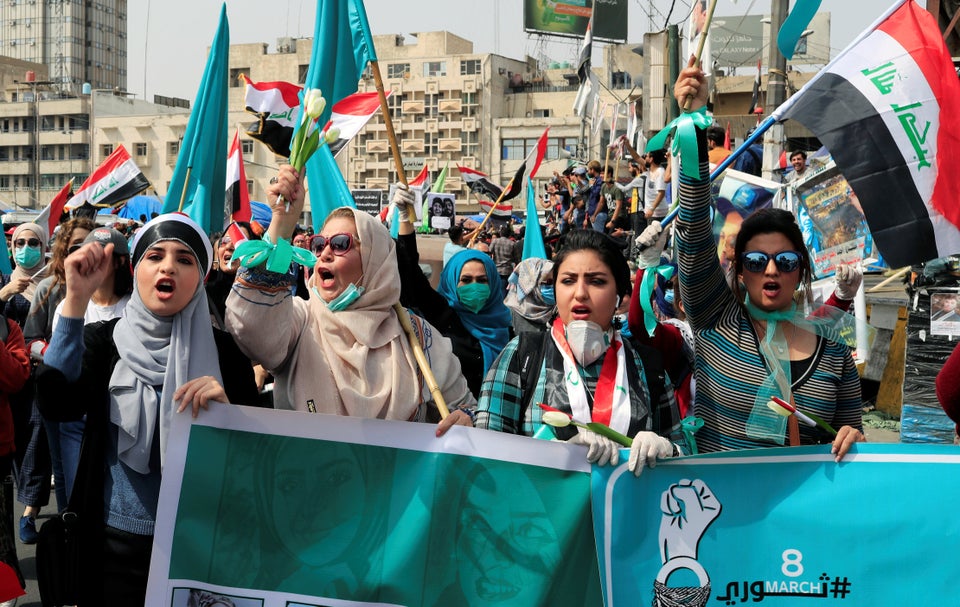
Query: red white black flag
x=237 y=198
x=277 y=106
x=116 y=179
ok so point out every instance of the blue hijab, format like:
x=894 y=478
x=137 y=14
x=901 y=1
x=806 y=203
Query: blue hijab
x=491 y=325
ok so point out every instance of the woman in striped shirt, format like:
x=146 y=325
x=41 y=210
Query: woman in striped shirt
x=751 y=343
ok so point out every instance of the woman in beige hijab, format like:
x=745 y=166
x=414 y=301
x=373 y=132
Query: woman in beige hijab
x=29 y=245
x=344 y=350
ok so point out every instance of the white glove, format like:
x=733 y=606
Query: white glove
x=647 y=447
x=600 y=449
x=38 y=348
x=404 y=199
x=653 y=239
x=848 y=279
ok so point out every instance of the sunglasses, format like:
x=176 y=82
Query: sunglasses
x=756 y=261
x=340 y=244
x=33 y=242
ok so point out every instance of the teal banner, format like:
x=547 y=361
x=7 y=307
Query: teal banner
x=273 y=508
x=782 y=527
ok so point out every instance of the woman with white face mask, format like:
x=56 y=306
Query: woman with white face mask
x=587 y=368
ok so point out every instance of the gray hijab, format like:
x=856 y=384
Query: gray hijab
x=159 y=354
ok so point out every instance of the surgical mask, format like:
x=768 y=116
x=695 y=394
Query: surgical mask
x=474 y=295
x=668 y=296
x=343 y=301
x=587 y=341
x=27 y=257
x=549 y=295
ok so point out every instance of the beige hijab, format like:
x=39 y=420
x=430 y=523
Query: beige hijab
x=33 y=273
x=367 y=352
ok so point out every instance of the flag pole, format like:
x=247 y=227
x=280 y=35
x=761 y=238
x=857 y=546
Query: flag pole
x=183 y=194
x=402 y=315
x=490 y=212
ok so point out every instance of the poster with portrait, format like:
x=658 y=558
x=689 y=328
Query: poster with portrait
x=781 y=528
x=737 y=195
x=418 y=194
x=291 y=508
x=944 y=314
x=442 y=209
x=832 y=222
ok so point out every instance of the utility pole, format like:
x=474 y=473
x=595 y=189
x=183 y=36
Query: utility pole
x=776 y=90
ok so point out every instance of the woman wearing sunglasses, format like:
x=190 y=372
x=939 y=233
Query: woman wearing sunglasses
x=753 y=342
x=344 y=350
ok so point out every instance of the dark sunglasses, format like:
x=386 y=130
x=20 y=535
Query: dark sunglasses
x=20 y=242
x=756 y=261
x=340 y=244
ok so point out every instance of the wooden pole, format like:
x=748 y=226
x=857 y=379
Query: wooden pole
x=183 y=194
x=422 y=361
x=388 y=121
x=490 y=212
x=703 y=40
x=400 y=310
x=898 y=274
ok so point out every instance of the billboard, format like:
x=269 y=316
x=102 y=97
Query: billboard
x=570 y=17
x=741 y=40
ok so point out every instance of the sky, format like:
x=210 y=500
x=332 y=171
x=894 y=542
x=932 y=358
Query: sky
x=168 y=39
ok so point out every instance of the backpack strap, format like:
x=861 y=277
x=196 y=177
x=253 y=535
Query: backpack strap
x=529 y=359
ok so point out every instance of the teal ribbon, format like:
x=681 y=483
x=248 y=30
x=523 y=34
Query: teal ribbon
x=685 y=140
x=279 y=256
x=689 y=426
x=647 y=285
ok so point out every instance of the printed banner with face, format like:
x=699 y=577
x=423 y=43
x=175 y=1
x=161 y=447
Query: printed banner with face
x=781 y=528
x=737 y=195
x=273 y=508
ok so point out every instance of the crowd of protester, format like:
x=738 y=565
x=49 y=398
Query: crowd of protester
x=116 y=330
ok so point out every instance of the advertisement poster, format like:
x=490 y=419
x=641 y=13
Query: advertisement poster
x=782 y=527
x=944 y=315
x=275 y=509
x=737 y=195
x=832 y=222
x=570 y=17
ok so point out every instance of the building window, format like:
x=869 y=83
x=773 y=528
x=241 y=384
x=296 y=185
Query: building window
x=4 y=182
x=430 y=141
x=469 y=107
x=173 y=149
x=140 y=149
x=470 y=143
x=398 y=70
x=513 y=149
x=430 y=105
x=541 y=113
x=395 y=103
x=250 y=187
x=302 y=73
x=106 y=149
x=469 y=66
x=235 y=80
x=246 y=146
x=435 y=68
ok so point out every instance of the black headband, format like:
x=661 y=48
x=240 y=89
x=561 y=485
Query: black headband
x=171 y=230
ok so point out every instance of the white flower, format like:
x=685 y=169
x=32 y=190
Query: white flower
x=332 y=135
x=556 y=419
x=778 y=408
x=313 y=103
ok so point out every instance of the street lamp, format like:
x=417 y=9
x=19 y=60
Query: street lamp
x=33 y=84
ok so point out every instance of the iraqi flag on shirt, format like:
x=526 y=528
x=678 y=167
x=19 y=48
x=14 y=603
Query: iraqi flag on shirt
x=350 y=115
x=887 y=109
x=237 y=198
x=116 y=179
x=277 y=106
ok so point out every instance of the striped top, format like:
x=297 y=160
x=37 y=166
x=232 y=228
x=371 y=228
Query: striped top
x=729 y=366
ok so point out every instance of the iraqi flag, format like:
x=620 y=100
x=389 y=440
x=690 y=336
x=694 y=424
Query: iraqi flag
x=116 y=179
x=755 y=96
x=237 y=198
x=887 y=109
x=502 y=210
x=50 y=216
x=479 y=184
x=528 y=169
x=350 y=115
x=277 y=106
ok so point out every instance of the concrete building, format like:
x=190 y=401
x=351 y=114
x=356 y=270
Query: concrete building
x=77 y=41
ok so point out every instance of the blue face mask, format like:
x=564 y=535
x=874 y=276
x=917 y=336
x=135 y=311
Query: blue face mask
x=27 y=257
x=474 y=295
x=343 y=301
x=549 y=295
x=668 y=296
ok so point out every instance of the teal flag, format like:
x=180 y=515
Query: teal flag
x=5 y=267
x=320 y=510
x=342 y=47
x=532 y=236
x=201 y=171
x=793 y=27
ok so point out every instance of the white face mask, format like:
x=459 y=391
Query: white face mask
x=587 y=341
